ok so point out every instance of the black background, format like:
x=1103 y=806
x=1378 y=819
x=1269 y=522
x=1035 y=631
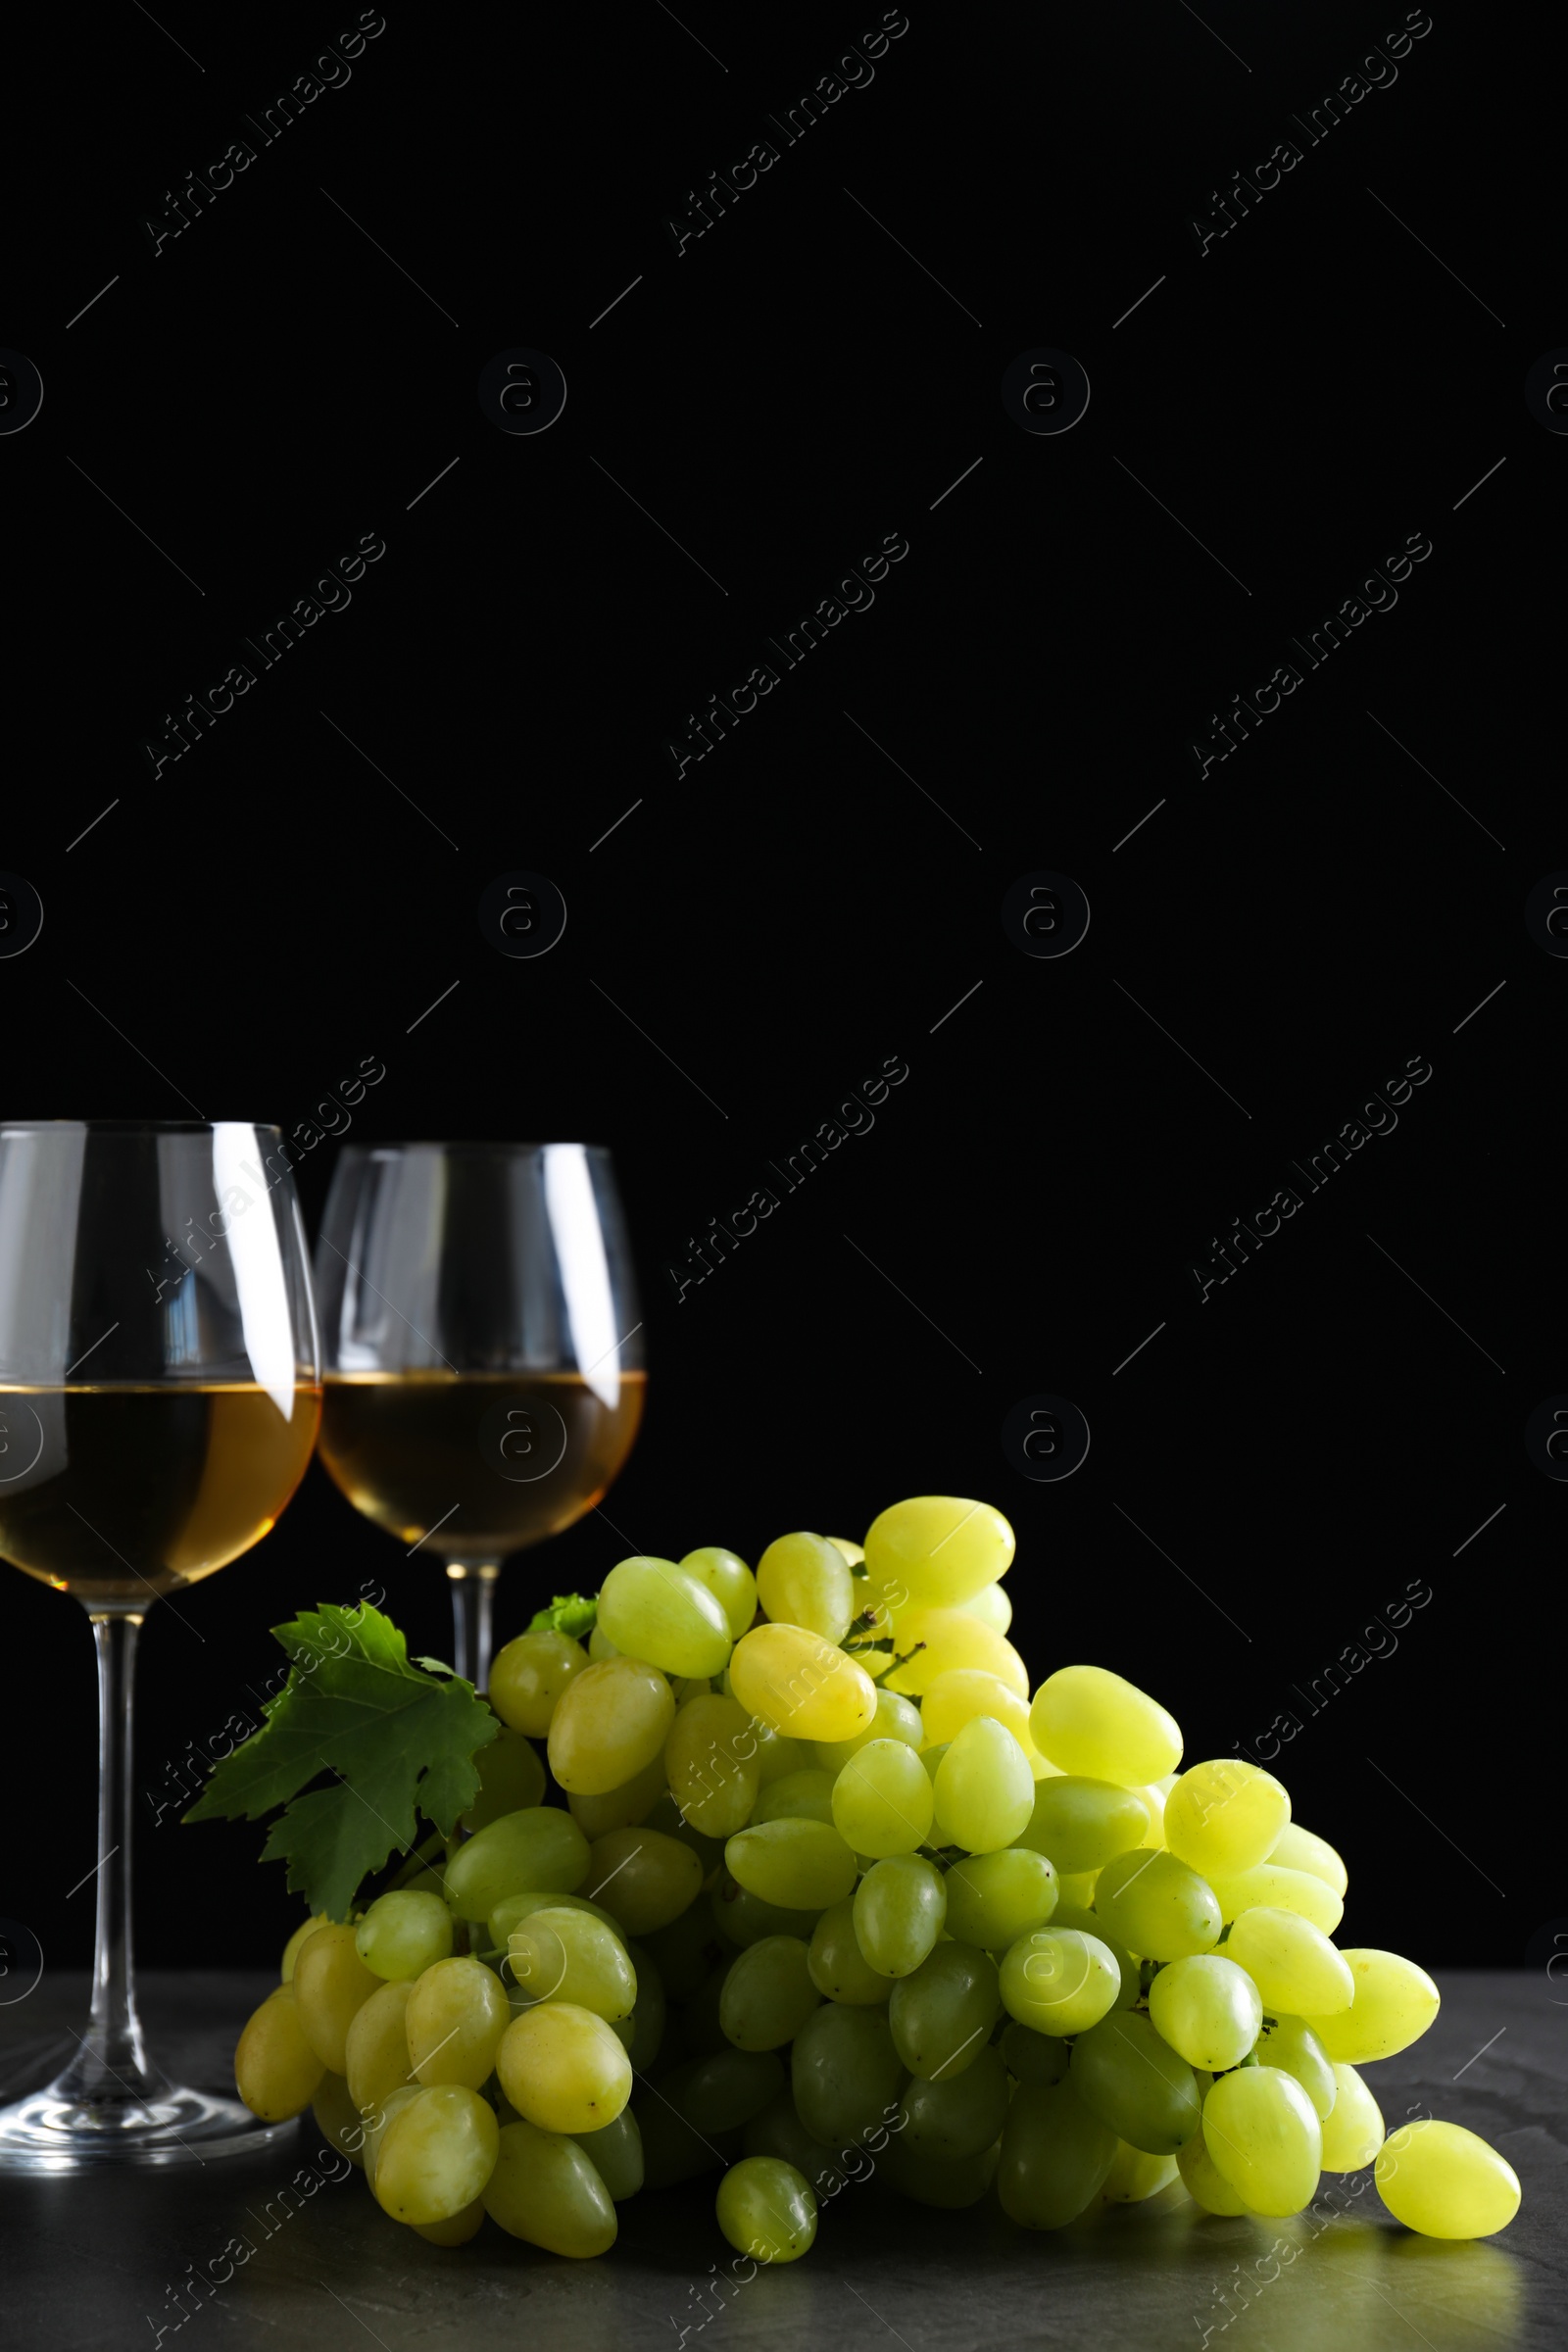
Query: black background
x=792 y=910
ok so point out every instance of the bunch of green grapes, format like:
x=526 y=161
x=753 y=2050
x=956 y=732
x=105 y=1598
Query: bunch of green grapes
x=826 y=1885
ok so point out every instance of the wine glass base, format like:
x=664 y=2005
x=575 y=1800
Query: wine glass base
x=57 y=2130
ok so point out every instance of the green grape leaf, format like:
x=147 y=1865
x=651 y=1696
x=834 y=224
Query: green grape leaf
x=392 y=1740
x=570 y=1615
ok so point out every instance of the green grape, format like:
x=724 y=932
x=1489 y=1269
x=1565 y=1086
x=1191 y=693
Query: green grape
x=839 y=1968
x=994 y=1898
x=959 y=1694
x=937 y=2180
x=330 y=1981
x=899 y=1908
x=516 y=1908
x=805 y=1796
x=1126 y=2073
x=778 y=1755
x=402 y=1934
x=338 y=2118
x=941 y=2014
x=455 y=2017
x=528 y=1676
x=1263 y=2131
x=1153 y=1796
x=456 y=2230
x=642 y=1878
x=1037 y=2059
x=1203 y=2178
x=1158 y=1906
x=984 y=1789
x=1294 y=1968
x=801 y=1865
x=1393 y=2003
x=1055 y=2156
x=804 y=1580
x=991 y=1606
x=682 y=1951
x=547 y=2191
x=947 y=1640
x=1296 y=1849
x=1077 y=1887
x=540 y=1846
x=1291 y=2046
x=1090 y=1721
x=882 y=1801
x=292 y=1949
x=959 y=2115
x=1445 y=2181
x=619 y=1808
x=510 y=1775
x=436 y=2155
x=562 y=2068
x=729 y=1580
x=1208 y=2010
x=711 y=1759
x=768 y=1993
x=379 y=2122
x=1353 y=2130
x=939 y=1547
x=931 y=1758
x=277 y=2071
x=654 y=1610
x=765 y=2208
x=743 y=1918
x=1059 y=1981
x=1271 y=1886
x=376 y=2060
x=1224 y=1816
x=852 y=1555
x=894 y=1718
x=845 y=2073
x=1129 y=1990
x=1084 y=1823
x=643 y=2032
x=667 y=1816
x=610 y=1724
x=1135 y=2176
x=567 y=1955
x=723 y=2091
x=600 y=1646
x=801 y=1684
x=616 y=2153
x=779 y=2132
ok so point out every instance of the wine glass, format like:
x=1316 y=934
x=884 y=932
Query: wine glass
x=483 y=1371
x=158 y=1401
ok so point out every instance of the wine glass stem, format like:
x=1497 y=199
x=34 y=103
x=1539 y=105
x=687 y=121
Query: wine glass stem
x=473 y=1586
x=113 y=2059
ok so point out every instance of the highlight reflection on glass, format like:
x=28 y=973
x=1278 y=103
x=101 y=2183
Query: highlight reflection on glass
x=482 y=1346
x=159 y=1402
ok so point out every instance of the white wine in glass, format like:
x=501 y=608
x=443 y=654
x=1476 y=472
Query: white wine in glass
x=482 y=1346
x=159 y=1402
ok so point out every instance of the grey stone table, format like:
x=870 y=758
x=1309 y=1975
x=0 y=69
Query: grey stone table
x=93 y=2262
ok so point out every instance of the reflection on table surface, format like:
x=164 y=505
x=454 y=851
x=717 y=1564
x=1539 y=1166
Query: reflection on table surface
x=309 y=2251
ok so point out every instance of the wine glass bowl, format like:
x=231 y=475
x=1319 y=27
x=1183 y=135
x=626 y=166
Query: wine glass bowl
x=482 y=1348
x=158 y=1403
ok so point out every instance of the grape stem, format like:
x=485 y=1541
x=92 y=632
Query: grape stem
x=421 y=1857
